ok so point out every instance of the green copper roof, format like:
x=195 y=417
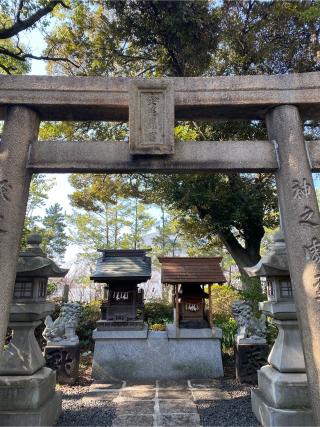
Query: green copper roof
x=122 y=265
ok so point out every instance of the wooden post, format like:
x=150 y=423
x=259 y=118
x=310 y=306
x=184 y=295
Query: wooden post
x=210 y=308
x=301 y=225
x=177 y=306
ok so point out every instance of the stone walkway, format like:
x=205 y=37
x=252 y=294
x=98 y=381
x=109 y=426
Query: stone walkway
x=162 y=403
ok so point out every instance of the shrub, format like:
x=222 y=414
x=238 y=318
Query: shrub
x=89 y=315
x=158 y=312
x=223 y=296
x=229 y=330
x=272 y=332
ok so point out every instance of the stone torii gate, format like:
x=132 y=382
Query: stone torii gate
x=283 y=101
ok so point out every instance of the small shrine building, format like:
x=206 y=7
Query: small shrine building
x=189 y=276
x=123 y=302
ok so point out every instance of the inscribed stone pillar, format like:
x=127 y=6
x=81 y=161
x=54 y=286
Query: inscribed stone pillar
x=20 y=130
x=301 y=225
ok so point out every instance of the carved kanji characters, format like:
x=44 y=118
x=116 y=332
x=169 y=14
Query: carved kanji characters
x=300 y=190
x=313 y=250
x=305 y=217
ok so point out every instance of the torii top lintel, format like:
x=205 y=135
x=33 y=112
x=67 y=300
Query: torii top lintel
x=101 y=98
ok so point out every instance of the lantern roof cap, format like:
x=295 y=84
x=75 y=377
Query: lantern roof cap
x=34 y=262
x=275 y=263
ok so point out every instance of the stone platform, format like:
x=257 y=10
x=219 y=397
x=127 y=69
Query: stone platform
x=150 y=355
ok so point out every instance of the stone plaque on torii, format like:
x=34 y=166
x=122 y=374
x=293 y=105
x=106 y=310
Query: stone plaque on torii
x=282 y=101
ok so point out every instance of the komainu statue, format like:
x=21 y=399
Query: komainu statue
x=249 y=327
x=62 y=330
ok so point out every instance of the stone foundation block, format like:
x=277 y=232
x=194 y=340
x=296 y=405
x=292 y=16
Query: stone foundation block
x=29 y=400
x=156 y=355
x=26 y=392
x=284 y=391
x=45 y=415
x=267 y=415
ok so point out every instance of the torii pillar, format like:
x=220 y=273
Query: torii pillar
x=20 y=130
x=301 y=225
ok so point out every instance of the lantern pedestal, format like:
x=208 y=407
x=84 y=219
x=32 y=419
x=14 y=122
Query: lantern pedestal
x=151 y=355
x=282 y=398
x=287 y=354
x=29 y=400
x=249 y=358
x=23 y=355
x=64 y=359
x=27 y=388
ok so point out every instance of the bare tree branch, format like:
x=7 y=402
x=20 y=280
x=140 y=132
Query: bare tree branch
x=20 y=56
x=19 y=25
x=20 y=7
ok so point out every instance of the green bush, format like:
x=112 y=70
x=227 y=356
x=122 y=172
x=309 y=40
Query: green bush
x=222 y=297
x=89 y=315
x=272 y=332
x=158 y=312
x=229 y=330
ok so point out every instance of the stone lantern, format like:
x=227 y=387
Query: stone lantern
x=282 y=397
x=27 y=388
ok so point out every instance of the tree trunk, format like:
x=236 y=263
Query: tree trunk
x=243 y=257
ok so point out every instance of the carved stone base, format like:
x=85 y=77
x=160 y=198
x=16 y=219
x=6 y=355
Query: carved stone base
x=65 y=361
x=29 y=400
x=249 y=359
x=23 y=355
x=270 y=416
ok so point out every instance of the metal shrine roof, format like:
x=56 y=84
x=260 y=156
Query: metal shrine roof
x=122 y=264
x=202 y=270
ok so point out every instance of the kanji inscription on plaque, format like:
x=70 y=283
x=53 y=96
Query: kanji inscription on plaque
x=151 y=117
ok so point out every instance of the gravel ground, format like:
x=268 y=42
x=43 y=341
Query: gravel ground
x=235 y=411
x=78 y=412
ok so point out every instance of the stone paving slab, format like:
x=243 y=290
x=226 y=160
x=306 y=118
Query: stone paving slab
x=179 y=420
x=166 y=403
x=140 y=384
x=172 y=384
x=169 y=393
x=178 y=406
x=133 y=394
x=135 y=407
x=133 y=421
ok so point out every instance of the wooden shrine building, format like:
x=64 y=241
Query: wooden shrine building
x=189 y=275
x=122 y=271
